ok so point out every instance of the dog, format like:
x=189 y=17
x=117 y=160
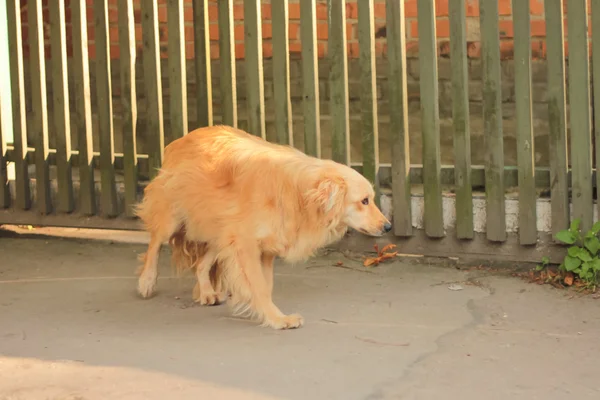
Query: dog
x=244 y=201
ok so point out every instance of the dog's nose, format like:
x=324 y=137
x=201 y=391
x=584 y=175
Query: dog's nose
x=387 y=227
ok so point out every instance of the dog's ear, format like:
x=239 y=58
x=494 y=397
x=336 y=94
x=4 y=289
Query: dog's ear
x=328 y=194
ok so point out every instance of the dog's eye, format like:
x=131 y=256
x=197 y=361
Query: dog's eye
x=365 y=201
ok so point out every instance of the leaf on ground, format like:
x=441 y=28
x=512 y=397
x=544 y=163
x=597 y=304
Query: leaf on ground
x=569 y=279
x=339 y=263
x=382 y=255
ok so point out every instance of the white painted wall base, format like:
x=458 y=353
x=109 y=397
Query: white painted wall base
x=544 y=221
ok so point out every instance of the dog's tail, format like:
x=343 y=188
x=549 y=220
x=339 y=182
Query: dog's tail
x=185 y=254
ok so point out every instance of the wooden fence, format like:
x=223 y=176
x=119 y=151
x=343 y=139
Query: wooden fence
x=57 y=198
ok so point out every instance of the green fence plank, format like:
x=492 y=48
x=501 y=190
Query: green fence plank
x=153 y=85
x=310 y=78
x=401 y=194
x=525 y=141
x=434 y=221
x=5 y=198
x=15 y=44
x=579 y=102
x=596 y=94
x=492 y=120
x=227 y=71
x=460 y=120
x=129 y=103
x=557 y=116
x=108 y=196
x=281 y=73
x=202 y=59
x=83 y=108
x=338 y=82
x=178 y=112
x=254 y=68
x=39 y=102
x=60 y=98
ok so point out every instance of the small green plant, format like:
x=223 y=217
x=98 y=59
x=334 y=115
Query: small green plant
x=583 y=258
x=544 y=264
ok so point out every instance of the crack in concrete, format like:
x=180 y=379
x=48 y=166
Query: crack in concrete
x=477 y=317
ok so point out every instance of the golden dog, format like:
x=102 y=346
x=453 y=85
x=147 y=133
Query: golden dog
x=244 y=201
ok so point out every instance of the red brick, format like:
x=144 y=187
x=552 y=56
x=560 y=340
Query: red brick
x=113 y=32
x=162 y=13
x=92 y=51
x=213 y=13
x=214 y=51
x=441 y=8
x=321 y=50
x=238 y=32
x=353 y=50
x=410 y=8
x=472 y=8
x=538 y=28
x=238 y=12
x=294 y=11
x=321 y=11
x=213 y=31
x=240 y=51
x=505 y=7
x=293 y=30
x=351 y=10
x=536 y=7
x=379 y=11
x=267 y=50
x=295 y=47
x=322 y=31
x=507 y=48
x=265 y=11
x=189 y=33
x=189 y=51
x=115 y=52
x=267 y=30
x=188 y=13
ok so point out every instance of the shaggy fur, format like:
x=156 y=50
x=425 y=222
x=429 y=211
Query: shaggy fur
x=239 y=202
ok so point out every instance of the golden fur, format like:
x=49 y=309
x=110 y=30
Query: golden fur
x=227 y=199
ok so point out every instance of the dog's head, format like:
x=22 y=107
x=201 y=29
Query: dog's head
x=347 y=197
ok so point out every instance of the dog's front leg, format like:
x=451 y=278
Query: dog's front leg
x=251 y=291
x=267 y=266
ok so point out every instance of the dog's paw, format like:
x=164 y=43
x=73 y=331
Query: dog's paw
x=208 y=299
x=146 y=285
x=291 y=321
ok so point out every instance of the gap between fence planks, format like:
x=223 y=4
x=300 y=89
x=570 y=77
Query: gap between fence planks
x=227 y=73
x=108 y=195
x=83 y=108
x=129 y=103
x=15 y=43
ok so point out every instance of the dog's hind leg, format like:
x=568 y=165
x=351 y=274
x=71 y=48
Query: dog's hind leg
x=204 y=292
x=249 y=288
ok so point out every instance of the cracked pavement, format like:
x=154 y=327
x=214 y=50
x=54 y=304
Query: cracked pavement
x=72 y=327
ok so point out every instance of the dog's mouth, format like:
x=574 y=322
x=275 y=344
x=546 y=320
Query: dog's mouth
x=365 y=232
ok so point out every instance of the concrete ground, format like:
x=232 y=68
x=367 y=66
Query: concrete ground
x=72 y=327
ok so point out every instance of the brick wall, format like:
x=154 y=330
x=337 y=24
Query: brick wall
x=538 y=30
x=538 y=27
